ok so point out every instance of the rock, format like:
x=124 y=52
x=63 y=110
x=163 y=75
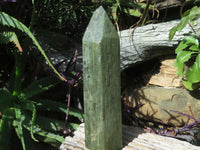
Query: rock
x=159 y=103
x=167 y=76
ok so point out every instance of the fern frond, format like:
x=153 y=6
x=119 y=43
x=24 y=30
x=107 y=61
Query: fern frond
x=5 y=129
x=33 y=122
x=75 y=113
x=72 y=125
x=38 y=87
x=25 y=105
x=46 y=134
x=6 y=100
x=50 y=105
x=30 y=144
x=9 y=21
x=7 y=37
x=49 y=123
x=53 y=124
x=18 y=73
x=18 y=126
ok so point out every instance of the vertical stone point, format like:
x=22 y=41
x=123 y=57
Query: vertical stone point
x=101 y=82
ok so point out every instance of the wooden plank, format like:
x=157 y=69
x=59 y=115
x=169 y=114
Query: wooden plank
x=134 y=138
x=101 y=65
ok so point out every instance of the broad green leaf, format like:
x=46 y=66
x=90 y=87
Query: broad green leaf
x=133 y=12
x=9 y=21
x=191 y=40
x=172 y=33
x=50 y=105
x=194 y=11
x=181 y=47
x=188 y=16
x=38 y=87
x=181 y=58
x=183 y=23
x=5 y=129
x=189 y=85
x=6 y=37
x=186 y=13
x=6 y=100
x=194 y=48
x=193 y=73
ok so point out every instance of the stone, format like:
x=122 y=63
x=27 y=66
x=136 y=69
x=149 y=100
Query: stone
x=167 y=76
x=159 y=103
x=101 y=78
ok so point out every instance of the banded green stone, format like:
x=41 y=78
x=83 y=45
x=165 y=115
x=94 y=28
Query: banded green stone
x=101 y=79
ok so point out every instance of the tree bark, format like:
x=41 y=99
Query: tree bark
x=150 y=41
x=142 y=44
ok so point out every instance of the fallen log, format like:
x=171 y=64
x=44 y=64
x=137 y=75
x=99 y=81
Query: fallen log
x=142 y=44
x=150 y=41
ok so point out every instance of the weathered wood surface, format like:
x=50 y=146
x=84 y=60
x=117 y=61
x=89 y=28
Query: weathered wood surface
x=150 y=41
x=134 y=138
x=147 y=42
x=165 y=4
x=167 y=75
x=101 y=77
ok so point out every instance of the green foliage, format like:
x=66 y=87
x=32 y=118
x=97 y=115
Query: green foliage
x=189 y=16
x=68 y=17
x=50 y=105
x=37 y=87
x=134 y=9
x=23 y=116
x=188 y=51
x=19 y=104
x=9 y=21
x=7 y=100
x=6 y=37
x=5 y=129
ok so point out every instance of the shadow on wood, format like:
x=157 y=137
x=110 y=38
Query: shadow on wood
x=133 y=139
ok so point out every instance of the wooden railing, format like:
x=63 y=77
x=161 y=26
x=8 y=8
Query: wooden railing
x=101 y=65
